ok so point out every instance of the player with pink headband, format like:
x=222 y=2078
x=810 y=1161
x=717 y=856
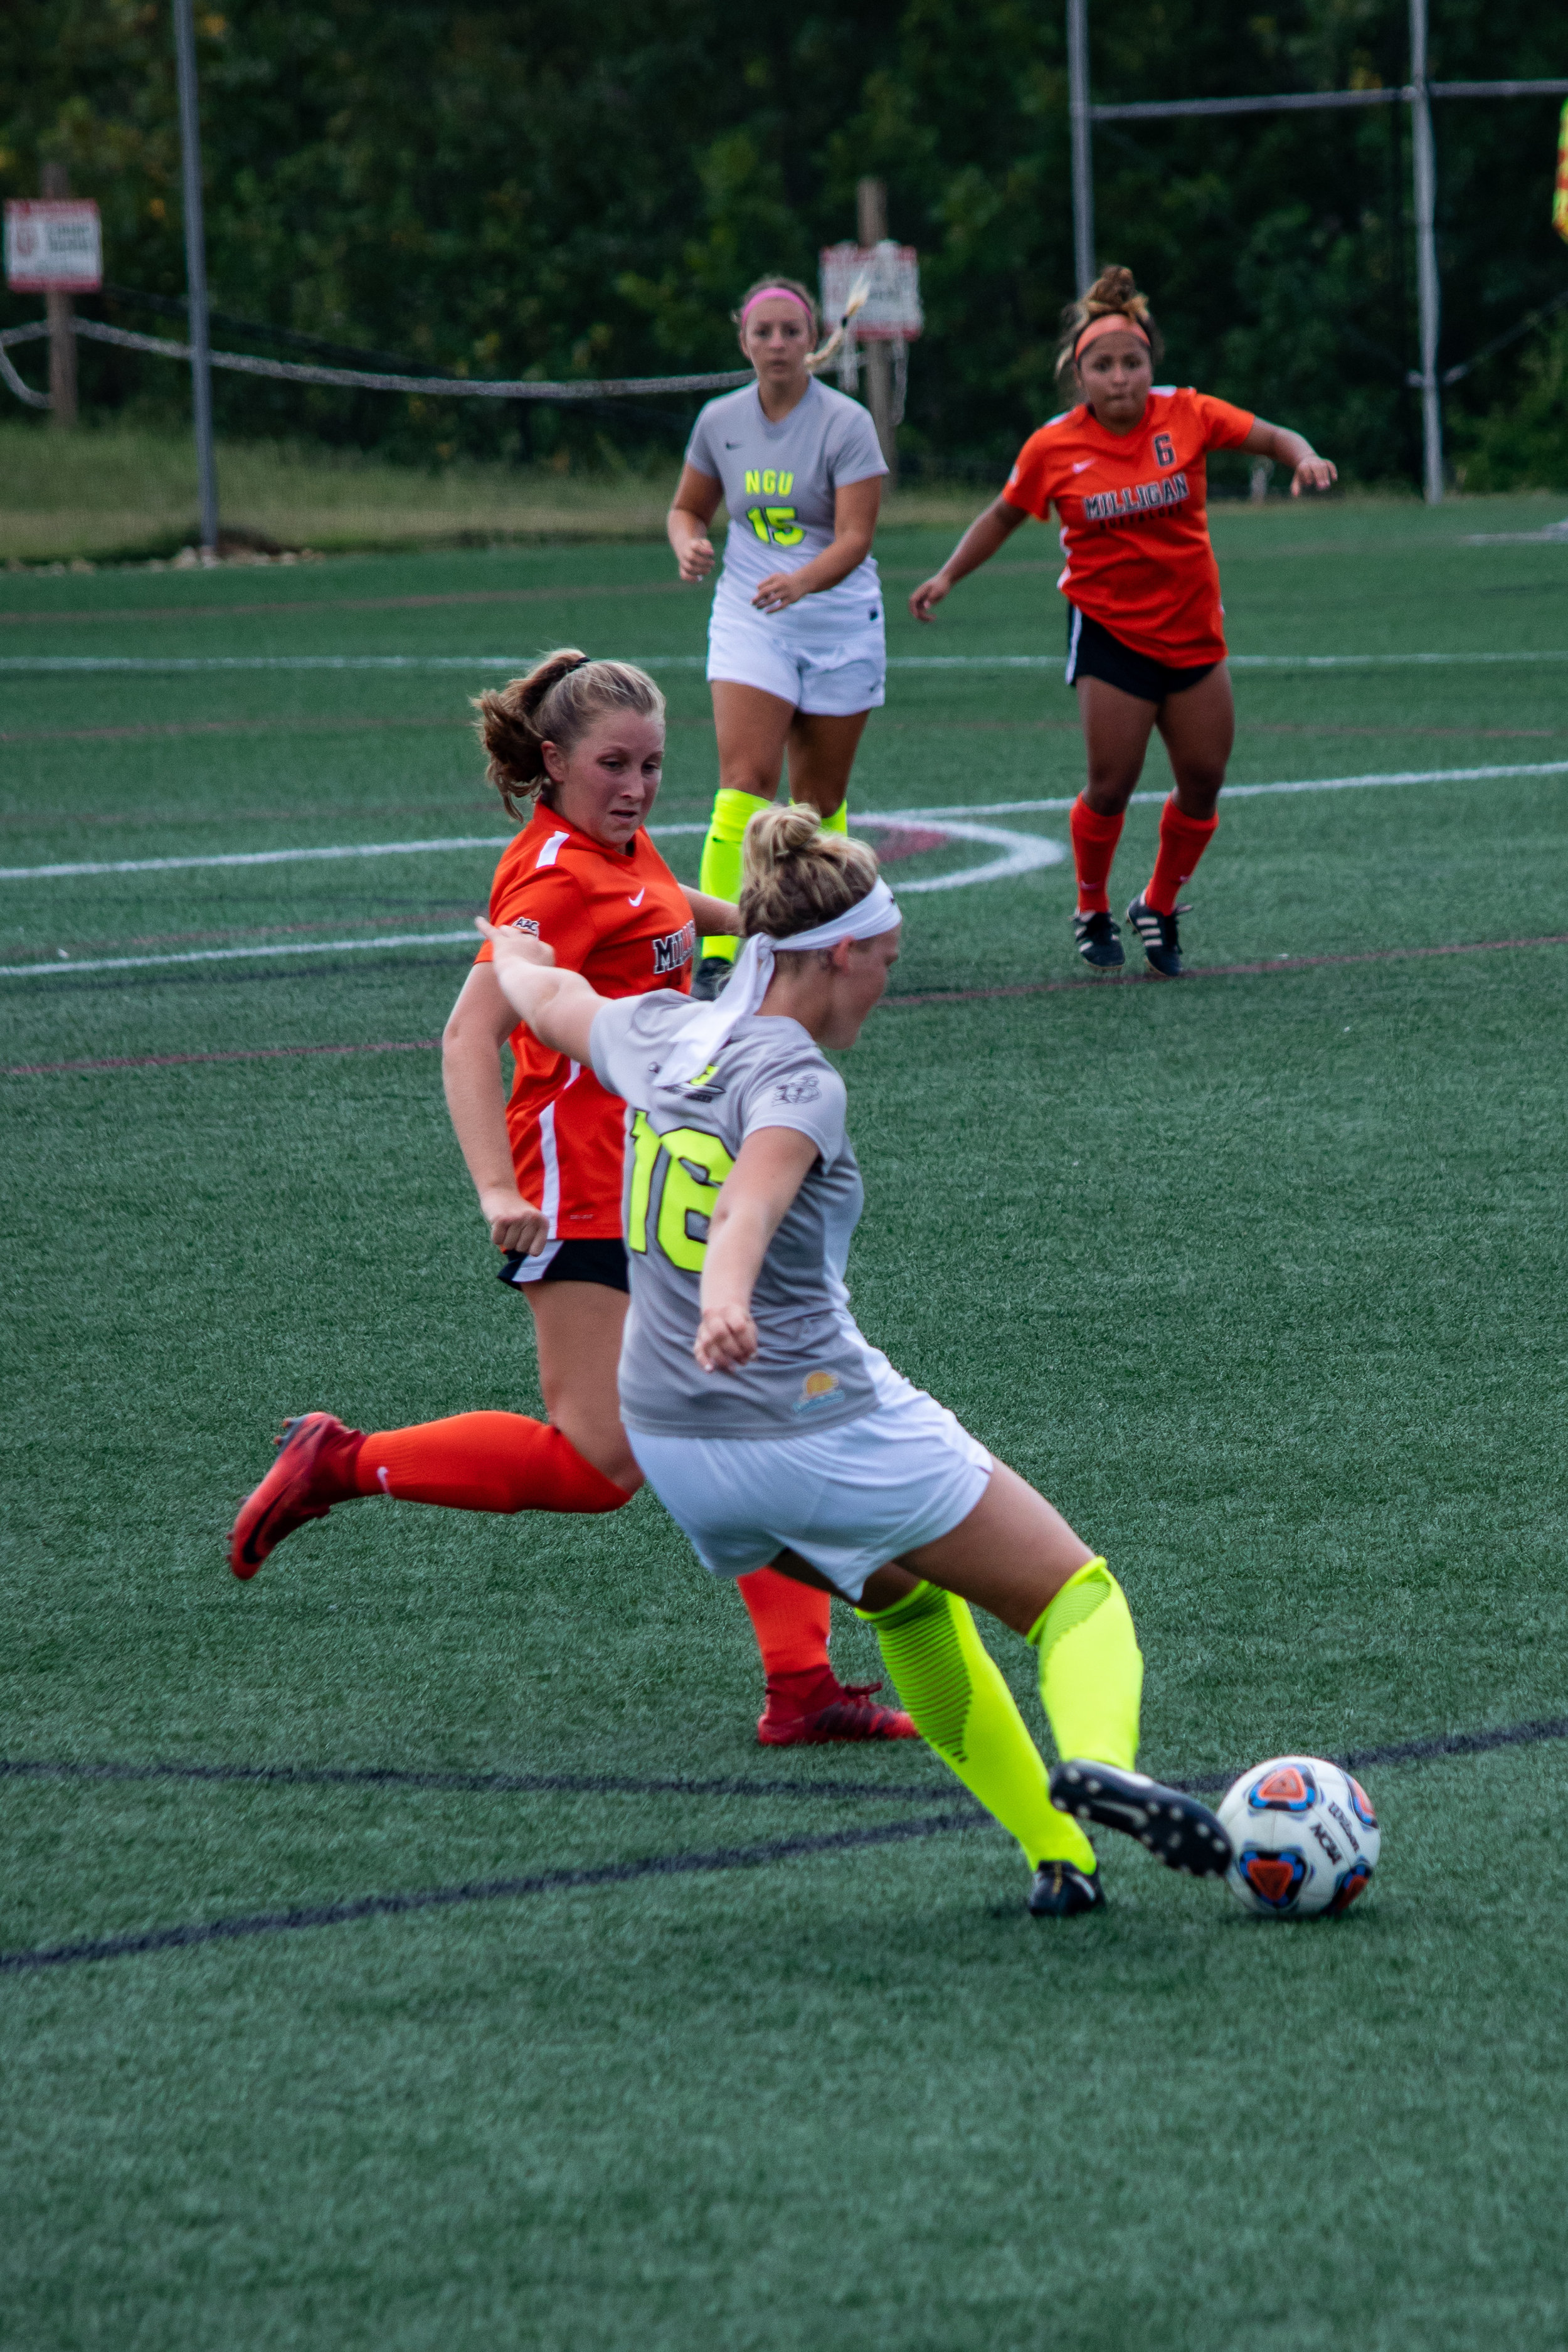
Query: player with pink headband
x=1125 y=470
x=796 y=647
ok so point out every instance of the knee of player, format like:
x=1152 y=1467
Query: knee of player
x=1199 y=788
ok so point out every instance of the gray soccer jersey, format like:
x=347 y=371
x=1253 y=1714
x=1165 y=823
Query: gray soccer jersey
x=813 y=1369
x=779 y=483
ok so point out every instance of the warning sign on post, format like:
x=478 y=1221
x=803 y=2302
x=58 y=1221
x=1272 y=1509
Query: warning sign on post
x=53 y=248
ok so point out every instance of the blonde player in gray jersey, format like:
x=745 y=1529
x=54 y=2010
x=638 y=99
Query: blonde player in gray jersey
x=796 y=645
x=769 y=1428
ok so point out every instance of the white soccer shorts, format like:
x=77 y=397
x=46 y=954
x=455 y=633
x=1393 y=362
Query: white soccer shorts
x=848 y=1499
x=826 y=672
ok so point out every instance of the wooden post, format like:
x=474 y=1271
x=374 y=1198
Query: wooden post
x=54 y=182
x=871 y=203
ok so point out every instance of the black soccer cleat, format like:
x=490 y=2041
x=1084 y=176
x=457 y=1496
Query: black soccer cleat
x=1098 y=942
x=1061 y=1890
x=711 y=977
x=1161 y=936
x=1177 y=1829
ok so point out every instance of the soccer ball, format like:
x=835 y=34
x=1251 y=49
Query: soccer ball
x=1304 y=1837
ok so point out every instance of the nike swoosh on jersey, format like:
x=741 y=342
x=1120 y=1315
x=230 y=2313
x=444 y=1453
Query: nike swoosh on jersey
x=642 y=893
x=1081 y=464
x=731 y=445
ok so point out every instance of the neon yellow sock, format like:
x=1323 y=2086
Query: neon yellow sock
x=1091 y=1669
x=720 y=873
x=950 y=1684
x=839 y=821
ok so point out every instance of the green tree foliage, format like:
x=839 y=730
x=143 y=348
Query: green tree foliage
x=507 y=190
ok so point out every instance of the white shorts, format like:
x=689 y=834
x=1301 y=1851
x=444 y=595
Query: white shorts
x=826 y=672
x=848 y=1499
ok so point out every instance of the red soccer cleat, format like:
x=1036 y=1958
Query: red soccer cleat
x=828 y=1709
x=315 y=1469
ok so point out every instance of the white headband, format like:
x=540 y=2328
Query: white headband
x=704 y=1035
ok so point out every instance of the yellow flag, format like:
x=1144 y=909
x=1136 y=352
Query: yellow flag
x=1559 y=201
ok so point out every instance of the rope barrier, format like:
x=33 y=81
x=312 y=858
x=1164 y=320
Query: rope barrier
x=364 y=379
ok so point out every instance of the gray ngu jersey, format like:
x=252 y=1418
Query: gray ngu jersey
x=779 y=484
x=813 y=1369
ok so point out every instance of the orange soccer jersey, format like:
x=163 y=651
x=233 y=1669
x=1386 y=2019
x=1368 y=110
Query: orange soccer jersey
x=617 y=916
x=1134 y=520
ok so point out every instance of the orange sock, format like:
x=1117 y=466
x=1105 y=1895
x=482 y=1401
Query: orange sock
x=1094 y=840
x=484 y=1462
x=790 y=1620
x=1183 y=841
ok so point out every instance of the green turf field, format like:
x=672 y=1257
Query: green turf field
x=1261 y=1278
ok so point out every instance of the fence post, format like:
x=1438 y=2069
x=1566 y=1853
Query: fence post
x=196 y=274
x=54 y=183
x=871 y=206
x=1424 y=166
x=1082 y=152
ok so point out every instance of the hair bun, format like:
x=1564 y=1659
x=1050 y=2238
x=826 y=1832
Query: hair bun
x=796 y=875
x=1114 y=289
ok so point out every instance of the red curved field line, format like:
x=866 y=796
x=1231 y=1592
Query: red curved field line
x=930 y=996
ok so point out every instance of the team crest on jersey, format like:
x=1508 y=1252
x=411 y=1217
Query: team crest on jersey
x=675 y=949
x=799 y=1090
x=816 y=1389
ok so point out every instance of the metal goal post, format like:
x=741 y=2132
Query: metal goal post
x=1416 y=94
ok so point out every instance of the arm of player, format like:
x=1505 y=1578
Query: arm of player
x=855 y=510
x=980 y=542
x=753 y=1200
x=712 y=915
x=558 y=1006
x=1308 y=470
x=692 y=509
x=477 y=1028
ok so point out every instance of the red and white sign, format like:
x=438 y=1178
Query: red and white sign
x=54 y=247
x=892 y=311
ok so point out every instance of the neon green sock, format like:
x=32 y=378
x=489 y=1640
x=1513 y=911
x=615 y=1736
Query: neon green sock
x=950 y=1684
x=839 y=821
x=720 y=873
x=1091 y=1669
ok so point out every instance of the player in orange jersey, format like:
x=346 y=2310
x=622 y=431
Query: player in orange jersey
x=576 y=750
x=1125 y=471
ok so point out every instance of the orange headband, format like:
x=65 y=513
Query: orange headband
x=1110 y=322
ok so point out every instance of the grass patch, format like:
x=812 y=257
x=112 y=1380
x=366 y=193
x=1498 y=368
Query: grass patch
x=117 y=493
x=1255 y=1277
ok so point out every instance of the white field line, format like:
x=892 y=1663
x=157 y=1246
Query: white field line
x=958 y=811
x=1021 y=853
x=229 y=955
x=159 y=664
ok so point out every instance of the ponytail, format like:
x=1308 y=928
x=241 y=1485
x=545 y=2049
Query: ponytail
x=556 y=703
